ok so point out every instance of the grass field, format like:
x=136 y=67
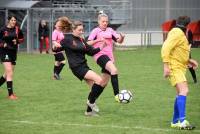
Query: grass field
x=46 y=106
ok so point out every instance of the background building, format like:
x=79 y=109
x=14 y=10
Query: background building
x=140 y=19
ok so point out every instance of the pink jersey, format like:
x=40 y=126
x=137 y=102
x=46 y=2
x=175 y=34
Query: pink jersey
x=57 y=36
x=109 y=35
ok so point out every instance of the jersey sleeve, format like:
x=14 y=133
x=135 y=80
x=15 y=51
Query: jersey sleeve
x=90 y=50
x=115 y=36
x=170 y=43
x=93 y=35
x=54 y=35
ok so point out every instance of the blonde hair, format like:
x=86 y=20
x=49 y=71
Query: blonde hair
x=102 y=15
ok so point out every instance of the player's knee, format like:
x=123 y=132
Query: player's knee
x=114 y=71
x=99 y=81
x=184 y=92
x=104 y=83
x=9 y=73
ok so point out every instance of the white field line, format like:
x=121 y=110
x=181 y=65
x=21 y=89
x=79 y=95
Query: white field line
x=93 y=125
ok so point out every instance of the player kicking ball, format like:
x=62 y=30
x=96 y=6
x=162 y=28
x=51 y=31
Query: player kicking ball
x=175 y=56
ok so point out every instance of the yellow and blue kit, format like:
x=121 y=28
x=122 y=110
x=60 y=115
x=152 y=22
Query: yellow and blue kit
x=175 y=51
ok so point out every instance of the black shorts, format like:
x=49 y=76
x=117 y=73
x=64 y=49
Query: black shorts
x=7 y=55
x=102 y=61
x=59 y=56
x=80 y=71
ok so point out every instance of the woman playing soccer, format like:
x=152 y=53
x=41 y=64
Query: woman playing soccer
x=76 y=48
x=105 y=58
x=10 y=37
x=57 y=36
x=175 y=56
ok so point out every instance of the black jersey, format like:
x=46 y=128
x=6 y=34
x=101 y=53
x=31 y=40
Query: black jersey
x=75 y=49
x=43 y=31
x=7 y=35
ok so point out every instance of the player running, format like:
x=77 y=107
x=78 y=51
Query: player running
x=57 y=36
x=105 y=58
x=76 y=48
x=10 y=37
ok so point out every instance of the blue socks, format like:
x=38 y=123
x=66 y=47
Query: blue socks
x=179 y=108
x=181 y=102
x=176 y=114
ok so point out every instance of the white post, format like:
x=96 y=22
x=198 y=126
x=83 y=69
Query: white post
x=28 y=33
x=167 y=10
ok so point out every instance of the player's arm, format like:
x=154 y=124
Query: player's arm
x=20 y=36
x=92 y=39
x=90 y=50
x=121 y=38
x=167 y=47
x=92 y=42
x=193 y=63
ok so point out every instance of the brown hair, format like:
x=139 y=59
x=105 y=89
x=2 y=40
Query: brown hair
x=75 y=24
x=183 y=21
x=65 y=23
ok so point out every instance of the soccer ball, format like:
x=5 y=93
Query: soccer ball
x=125 y=96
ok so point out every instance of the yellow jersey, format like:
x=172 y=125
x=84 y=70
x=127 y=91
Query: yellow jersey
x=175 y=50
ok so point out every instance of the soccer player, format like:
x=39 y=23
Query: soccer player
x=57 y=36
x=192 y=71
x=76 y=48
x=175 y=56
x=10 y=37
x=105 y=58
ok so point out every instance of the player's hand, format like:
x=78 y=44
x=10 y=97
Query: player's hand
x=193 y=63
x=121 y=38
x=166 y=70
x=14 y=41
x=56 y=45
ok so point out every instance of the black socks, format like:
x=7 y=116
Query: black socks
x=58 y=69
x=115 y=84
x=2 y=80
x=94 y=94
x=10 y=87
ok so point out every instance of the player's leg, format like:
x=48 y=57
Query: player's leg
x=114 y=76
x=2 y=79
x=62 y=62
x=182 y=89
x=9 y=70
x=55 y=70
x=96 y=89
x=175 y=120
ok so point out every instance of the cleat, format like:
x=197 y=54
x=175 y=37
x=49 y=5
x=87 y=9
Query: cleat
x=175 y=125
x=56 y=77
x=91 y=114
x=94 y=107
x=185 y=125
x=12 y=97
x=117 y=98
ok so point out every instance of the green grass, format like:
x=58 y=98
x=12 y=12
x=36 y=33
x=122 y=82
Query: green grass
x=46 y=106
